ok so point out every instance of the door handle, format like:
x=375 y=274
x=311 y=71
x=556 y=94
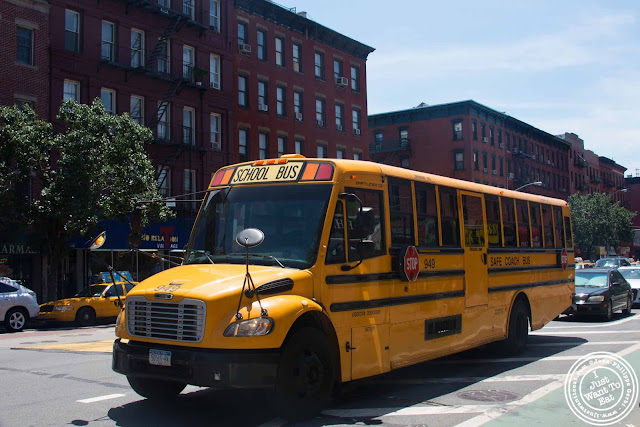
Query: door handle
x=484 y=258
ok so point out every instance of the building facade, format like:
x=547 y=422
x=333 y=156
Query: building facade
x=467 y=140
x=300 y=87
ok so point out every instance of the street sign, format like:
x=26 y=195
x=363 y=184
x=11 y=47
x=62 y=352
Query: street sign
x=411 y=264
x=564 y=259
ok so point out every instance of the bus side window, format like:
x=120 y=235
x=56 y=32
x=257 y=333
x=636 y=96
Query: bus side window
x=557 y=214
x=523 y=223
x=373 y=226
x=536 y=224
x=568 y=231
x=547 y=222
x=450 y=221
x=401 y=212
x=494 y=226
x=335 y=248
x=427 y=211
x=509 y=223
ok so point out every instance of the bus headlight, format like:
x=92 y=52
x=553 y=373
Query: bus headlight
x=63 y=308
x=599 y=298
x=119 y=318
x=250 y=328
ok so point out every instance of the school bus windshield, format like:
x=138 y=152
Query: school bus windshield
x=290 y=216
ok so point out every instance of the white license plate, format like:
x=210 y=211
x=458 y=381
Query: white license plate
x=159 y=357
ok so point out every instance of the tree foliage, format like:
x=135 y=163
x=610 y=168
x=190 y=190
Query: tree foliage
x=95 y=169
x=598 y=222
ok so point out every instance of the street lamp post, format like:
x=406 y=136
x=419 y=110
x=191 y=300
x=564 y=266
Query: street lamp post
x=536 y=183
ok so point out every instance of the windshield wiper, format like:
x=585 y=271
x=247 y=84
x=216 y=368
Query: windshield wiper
x=205 y=253
x=259 y=256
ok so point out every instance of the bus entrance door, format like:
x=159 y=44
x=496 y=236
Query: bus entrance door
x=475 y=250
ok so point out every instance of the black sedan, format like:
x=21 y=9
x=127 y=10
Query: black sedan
x=601 y=291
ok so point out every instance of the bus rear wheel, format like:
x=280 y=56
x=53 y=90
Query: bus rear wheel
x=305 y=374
x=516 y=341
x=153 y=389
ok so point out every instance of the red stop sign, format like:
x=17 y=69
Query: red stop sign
x=411 y=263
x=564 y=259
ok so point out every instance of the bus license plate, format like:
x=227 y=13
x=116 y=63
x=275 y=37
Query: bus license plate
x=159 y=357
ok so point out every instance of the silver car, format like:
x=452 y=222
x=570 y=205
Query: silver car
x=632 y=275
x=17 y=304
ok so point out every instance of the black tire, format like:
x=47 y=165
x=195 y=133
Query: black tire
x=86 y=316
x=16 y=319
x=306 y=374
x=627 y=311
x=153 y=389
x=609 y=314
x=516 y=341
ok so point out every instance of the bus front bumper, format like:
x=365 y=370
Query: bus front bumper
x=200 y=367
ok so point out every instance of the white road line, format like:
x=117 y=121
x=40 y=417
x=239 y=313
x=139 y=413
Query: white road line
x=615 y=322
x=453 y=380
x=542 y=332
x=578 y=344
x=100 y=398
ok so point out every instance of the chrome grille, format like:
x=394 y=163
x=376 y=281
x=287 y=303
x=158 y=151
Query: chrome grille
x=174 y=321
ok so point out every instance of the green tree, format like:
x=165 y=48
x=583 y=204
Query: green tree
x=598 y=222
x=95 y=169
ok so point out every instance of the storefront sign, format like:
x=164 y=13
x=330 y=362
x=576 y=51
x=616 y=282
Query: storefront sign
x=15 y=249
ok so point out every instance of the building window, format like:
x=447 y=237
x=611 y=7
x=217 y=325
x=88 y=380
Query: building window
x=319 y=65
x=25 y=46
x=164 y=181
x=500 y=138
x=340 y=153
x=214 y=127
x=137 y=48
x=263 y=96
x=493 y=164
x=474 y=130
x=491 y=137
x=281 y=101
x=282 y=146
x=164 y=53
x=72 y=31
x=163 y=130
x=483 y=132
x=188 y=126
x=458 y=157
x=296 y=55
x=320 y=112
x=243 y=147
x=71 y=91
x=214 y=13
x=501 y=164
x=263 y=145
x=137 y=109
x=476 y=163
x=457 y=130
x=297 y=104
x=355 y=120
x=214 y=71
x=508 y=142
x=322 y=151
x=403 y=134
x=357 y=155
x=242 y=33
x=22 y=104
x=378 y=136
x=189 y=181
x=337 y=69
x=339 y=117
x=299 y=146
x=242 y=92
x=484 y=162
x=108 y=41
x=164 y=3
x=189 y=8
x=188 y=62
x=261 y=40
x=108 y=98
x=280 y=51
x=355 y=78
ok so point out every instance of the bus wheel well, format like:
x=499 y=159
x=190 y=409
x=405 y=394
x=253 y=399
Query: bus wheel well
x=315 y=319
x=525 y=300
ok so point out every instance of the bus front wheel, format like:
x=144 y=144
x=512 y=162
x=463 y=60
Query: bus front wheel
x=153 y=389
x=516 y=341
x=305 y=374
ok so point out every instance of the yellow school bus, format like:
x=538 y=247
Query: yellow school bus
x=303 y=273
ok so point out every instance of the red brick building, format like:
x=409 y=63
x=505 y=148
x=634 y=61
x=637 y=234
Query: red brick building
x=24 y=56
x=300 y=87
x=467 y=140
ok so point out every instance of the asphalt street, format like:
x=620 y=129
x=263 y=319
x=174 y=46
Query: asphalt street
x=62 y=376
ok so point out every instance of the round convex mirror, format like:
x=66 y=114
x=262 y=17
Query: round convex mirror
x=249 y=238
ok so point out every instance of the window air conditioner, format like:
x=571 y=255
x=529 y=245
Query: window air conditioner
x=484 y=170
x=263 y=107
x=342 y=81
x=356 y=131
x=215 y=145
x=495 y=172
x=320 y=123
x=215 y=85
x=245 y=48
x=485 y=139
x=299 y=117
x=501 y=145
x=339 y=127
x=511 y=175
x=164 y=10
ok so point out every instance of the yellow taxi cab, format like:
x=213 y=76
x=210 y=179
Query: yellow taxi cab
x=98 y=301
x=580 y=265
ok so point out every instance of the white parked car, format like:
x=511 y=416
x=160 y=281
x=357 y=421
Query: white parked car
x=632 y=275
x=17 y=304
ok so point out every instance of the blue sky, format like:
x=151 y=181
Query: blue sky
x=561 y=66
